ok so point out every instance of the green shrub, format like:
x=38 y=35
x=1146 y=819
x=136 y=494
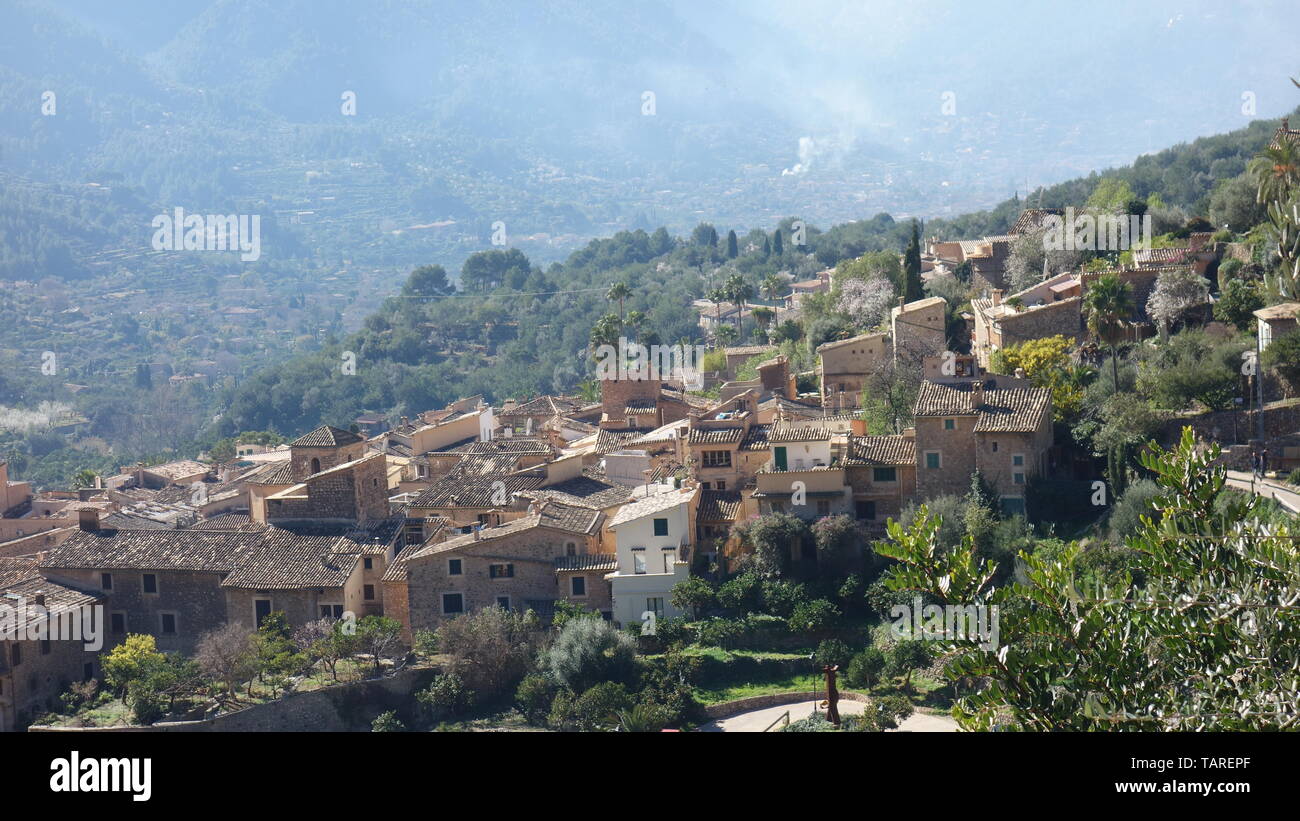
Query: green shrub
x=719 y=632
x=816 y=616
x=865 y=668
x=815 y=723
x=533 y=698
x=589 y=651
x=387 y=722
x=447 y=696
x=832 y=652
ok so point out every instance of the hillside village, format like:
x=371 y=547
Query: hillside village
x=553 y=504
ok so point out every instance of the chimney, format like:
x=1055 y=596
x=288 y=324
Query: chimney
x=38 y=598
x=88 y=519
x=1020 y=373
x=977 y=393
x=997 y=296
x=858 y=426
x=902 y=301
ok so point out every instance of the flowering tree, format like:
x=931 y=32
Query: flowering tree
x=866 y=302
x=1176 y=291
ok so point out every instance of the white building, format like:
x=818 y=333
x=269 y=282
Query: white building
x=653 y=537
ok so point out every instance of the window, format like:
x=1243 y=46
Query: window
x=453 y=604
x=1018 y=478
x=315 y=466
x=950 y=424
x=884 y=474
x=503 y=602
x=331 y=611
x=995 y=447
x=570 y=549
x=150 y=582
x=167 y=621
x=865 y=509
x=261 y=609
x=501 y=571
x=17 y=654
x=933 y=460
x=669 y=557
x=578 y=586
x=368 y=592
x=656 y=606
x=716 y=458
x=1018 y=459
x=638 y=562
x=117 y=622
x=722 y=485
x=661 y=527
x=823 y=507
x=369 y=563
x=453 y=567
x=106 y=581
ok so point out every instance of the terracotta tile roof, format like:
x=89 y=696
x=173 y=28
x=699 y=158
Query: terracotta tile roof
x=586 y=561
x=1003 y=409
x=881 y=450
x=457 y=490
x=262 y=557
x=510 y=444
x=608 y=441
x=718 y=506
x=274 y=473
x=542 y=406
x=665 y=471
x=751 y=350
x=21 y=581
x=326 y=436
x=799 y=433
x=715 y=436
x=582 y=491
x=227 y=521
x=1031 y=219
x=554 y=516
x=1160 y=256
x=756 y=438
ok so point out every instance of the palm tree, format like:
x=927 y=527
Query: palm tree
x=635 y=319
x=725 y=335
x=717 y=296
x=606 y=331
x=740 y=292
x=619 y=291
x=1276 y=171
x=1108 y=305
x=772 y=288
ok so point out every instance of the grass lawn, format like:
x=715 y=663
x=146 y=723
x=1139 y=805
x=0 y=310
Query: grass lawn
x=745 y=689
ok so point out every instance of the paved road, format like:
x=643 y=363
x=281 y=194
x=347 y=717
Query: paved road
x=755 y=720
x=1267 y=488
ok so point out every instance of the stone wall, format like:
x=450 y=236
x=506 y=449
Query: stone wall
x=744 y=705
x=349 y=707
x=196 y=599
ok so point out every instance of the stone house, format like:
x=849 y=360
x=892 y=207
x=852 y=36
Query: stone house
x=881 y=474
x=844 y=365
x=918 y=329
x=805 y=476
x=37 y=660
x=1004 y=434
x=528 y=563
x=1053 y=306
